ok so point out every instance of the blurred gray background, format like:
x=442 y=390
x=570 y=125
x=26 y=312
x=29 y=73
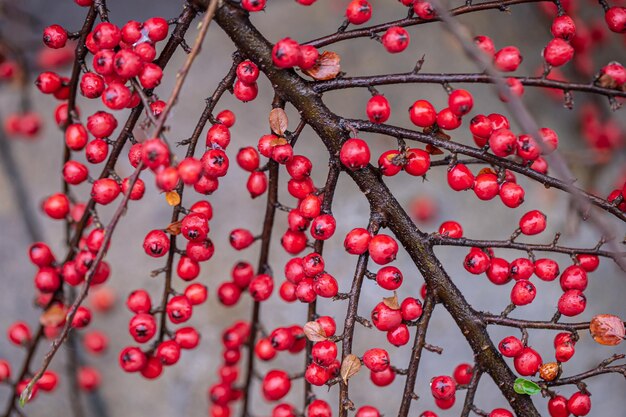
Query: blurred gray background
x=182 y=389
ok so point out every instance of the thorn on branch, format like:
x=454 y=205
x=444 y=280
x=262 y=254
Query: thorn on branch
x=507 y=310
x=364 y=322
x=419 y=64
x=433 y=348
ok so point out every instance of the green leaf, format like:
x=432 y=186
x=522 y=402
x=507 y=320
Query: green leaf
x=524 y=386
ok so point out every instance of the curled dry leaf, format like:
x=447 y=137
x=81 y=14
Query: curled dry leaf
x=326 y=68
x=550 y=371
x=314 y=331
x=349 y=367
x=54 y=316
x=174 y=228
x=433 y=150
x=278 y=121
x=172 y=198
x=607 y=329
x=392 y=302
x=487 y=171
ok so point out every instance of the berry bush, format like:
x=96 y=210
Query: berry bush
x=305 y=338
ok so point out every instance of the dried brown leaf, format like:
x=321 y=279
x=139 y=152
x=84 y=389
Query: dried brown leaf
x=392 y=302
x=278 y=121
x=327 y=67
x=607 y=329
x=174 y=228
x=487 y=171
x=314 y=331
x=54 y=316
x=172 y=198
x=433 y=150
x=349 y=367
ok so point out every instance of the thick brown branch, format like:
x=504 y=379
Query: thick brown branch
x=329 y=127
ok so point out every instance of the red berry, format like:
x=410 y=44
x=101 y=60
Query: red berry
x=500 y=412
x=502 y=142
x=572 y=303
x=399 y=336
x=422 y=113
x=523 y=292
x=40 y=254
x=417 y=162
x=579 y=404
x=276 y=384
x=563 y=27
x=460 y=177
x=477 y=261
x=132 y=359
x=485 y=44
x=460 y=102
x=463 y=373
x=558 y=52
x=385 y=318
x=512 y=194
x=442 y=387
x=527 y=362
x=157 y=28
x=588 y=262
x=395 y=39
x=355 y=154
x=486 y=186
x=389 y=278
x=324 y=353
x=508 y=59
x=168 y=352
x=383 y=249
x=499 y=271
x=358 y=12
x=55 y=37
x=522 y=268
x=376 y=360
x=378 y=109
x=286 y=53
x=532 y=222
x=253 y=5
x=557 y=407
x=447 y=120
x=19 y=333
x=615 y=18
x=546 y=269
x=261 y=287
x=510 y=346
x=57 y=206
x=424 y=10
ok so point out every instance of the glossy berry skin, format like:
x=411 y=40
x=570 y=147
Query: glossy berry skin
x=485 y=44
x=286 y=53
x=309 y=56
x=502 y=143
x=588 y=262
x=383 y=249
x=247 y=72
x=395 y=39
x=510 y=346
x=512 y=194
x=389 y=278
x=522 y=268
x=557 y=406
x=476 y=262
x=248 y=159
x=105 y=190
x=178 y=309
x=574 y=278
x=19 y=333
x=399 y=336
x=319 y=408
x=389 y=163
x=57 y=206
x=261 y=287
x=316 y=375
x=378 y=109
x=132 y=359
x=367 y=411
x=424 y=10
x=451 y=229
x=328 y=325
x=76 y=137
x=442 y=387
x=615 y=18
x=168 y=352
x=358 y=12
x=532 y=223
x=572 y=303
x=579 y=404
x=486 y=186
x=299 y=167
x=411 y=309
x=508 y=59
x=447 y=120
x=563 y=27
x=460 y=178
x=48 y=82
x=154 y=153
x=324 y=353
x=546 y=269
x=463 y=373
x=558 y=52
x=253 y=5
x=357 y=241
x=142 y=327
x=417 y=162
x=54 y=37
x=460 y=102
x=384 y=378
x=523 y=293
x=385 y=318
x=245 y=92
x=499 y=271
x=527 y=362
x=355 y=154
x=376 y=360
x=276 y=384
x=40 y=254
x=156 y=243
x=422 y=113
x=323 y=227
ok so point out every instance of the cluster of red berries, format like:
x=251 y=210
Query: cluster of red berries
x=246 y=88
x=26 y=125
x=306 y=279
x=223 y=393
x=288 y=53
